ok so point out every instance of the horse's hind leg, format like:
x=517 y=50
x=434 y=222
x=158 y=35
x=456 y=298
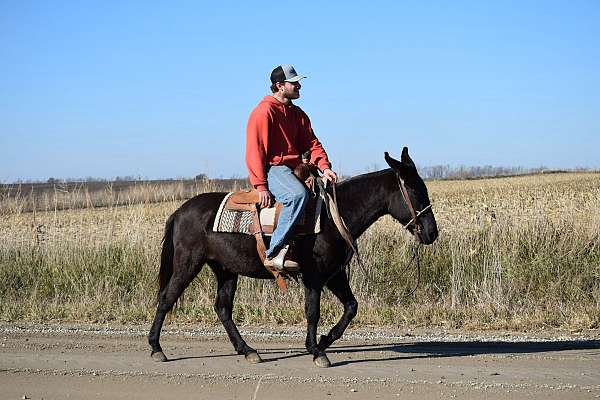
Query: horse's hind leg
x=227 y=285
x=186 y=265
x=340 y=287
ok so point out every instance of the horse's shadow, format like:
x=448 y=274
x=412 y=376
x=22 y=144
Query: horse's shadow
x=423 y=350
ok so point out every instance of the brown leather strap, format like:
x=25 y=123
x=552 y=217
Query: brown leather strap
x=340 y=224
x=278 y=208
x=345 y=233
x=417 y=227
x=407 y=199
x=262 y=249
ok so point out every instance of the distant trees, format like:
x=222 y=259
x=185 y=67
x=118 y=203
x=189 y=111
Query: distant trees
x=429 y=172
x=128 y=178
x=464 y=172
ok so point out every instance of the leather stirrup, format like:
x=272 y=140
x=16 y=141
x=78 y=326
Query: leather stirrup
x=262 y=250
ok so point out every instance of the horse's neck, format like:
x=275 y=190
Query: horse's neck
x=363 y=200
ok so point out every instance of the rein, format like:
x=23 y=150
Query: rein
x=333 y=210
x=415 y=215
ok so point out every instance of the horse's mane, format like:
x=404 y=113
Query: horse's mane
x=361 y=177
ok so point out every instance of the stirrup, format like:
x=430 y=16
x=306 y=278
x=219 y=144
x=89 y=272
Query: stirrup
x=280 y=263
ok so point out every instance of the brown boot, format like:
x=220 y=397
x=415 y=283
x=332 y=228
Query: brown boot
x=280 y=262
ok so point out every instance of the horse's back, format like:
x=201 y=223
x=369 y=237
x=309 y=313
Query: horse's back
x=200 y=210
x=204 y=201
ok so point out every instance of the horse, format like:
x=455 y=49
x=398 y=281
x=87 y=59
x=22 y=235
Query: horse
x=189 y=243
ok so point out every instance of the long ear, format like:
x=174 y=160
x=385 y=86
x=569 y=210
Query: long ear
x=392 y=162
x=406 y=158
x=396 y=165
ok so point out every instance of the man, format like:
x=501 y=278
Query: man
x=277 y=135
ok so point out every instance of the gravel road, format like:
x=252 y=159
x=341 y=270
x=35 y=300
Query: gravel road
x=101 y=362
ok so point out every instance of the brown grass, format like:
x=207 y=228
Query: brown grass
x=514 y=253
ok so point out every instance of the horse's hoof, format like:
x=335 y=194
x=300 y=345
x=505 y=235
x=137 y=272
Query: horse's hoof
x=253 y=358
x=322 y=361
x=159 y=356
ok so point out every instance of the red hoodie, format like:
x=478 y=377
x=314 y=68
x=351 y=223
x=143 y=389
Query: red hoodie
x=279 y=134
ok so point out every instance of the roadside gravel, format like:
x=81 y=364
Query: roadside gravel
x=104 y=361
x=270 y=332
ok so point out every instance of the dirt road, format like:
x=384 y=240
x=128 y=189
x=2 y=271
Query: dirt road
x=58 y=362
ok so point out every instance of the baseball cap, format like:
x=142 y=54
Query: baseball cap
x=285 y=73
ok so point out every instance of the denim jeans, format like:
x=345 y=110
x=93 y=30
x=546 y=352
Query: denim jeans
x=290 y=192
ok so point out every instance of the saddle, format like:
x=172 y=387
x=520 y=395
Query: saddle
x=240 y=212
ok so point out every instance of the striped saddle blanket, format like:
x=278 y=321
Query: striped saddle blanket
x=239 y=213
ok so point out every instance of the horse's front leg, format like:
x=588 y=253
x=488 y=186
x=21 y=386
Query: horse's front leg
x=340 y=287
x=312 y=309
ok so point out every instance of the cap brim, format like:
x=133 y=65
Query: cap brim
x=295 y=78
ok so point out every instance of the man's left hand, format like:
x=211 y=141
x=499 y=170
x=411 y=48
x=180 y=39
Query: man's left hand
x=330 y=175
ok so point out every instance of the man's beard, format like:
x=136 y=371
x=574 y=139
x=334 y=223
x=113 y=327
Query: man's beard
x=292 y=95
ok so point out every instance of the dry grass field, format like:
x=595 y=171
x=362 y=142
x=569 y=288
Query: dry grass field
x=25 y=197
x=513 y=253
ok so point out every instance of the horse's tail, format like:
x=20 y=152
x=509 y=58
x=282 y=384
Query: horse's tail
x=166 y=256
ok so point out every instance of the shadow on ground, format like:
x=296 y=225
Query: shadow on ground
x=421 y=350
x=407 y=351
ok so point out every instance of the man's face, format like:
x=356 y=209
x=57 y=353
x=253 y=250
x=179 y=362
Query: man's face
x=291 y=90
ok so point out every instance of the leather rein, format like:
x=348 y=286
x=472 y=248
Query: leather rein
x=333 y=210
x=415 y=214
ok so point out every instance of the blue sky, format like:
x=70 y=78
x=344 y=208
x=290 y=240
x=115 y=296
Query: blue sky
x=155 y=90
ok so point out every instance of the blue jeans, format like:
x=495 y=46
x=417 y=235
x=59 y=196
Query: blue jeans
x=290 y=192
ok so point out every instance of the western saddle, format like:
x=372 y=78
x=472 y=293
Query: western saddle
x=264 y=221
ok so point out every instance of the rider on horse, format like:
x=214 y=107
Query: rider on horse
x=277 y=135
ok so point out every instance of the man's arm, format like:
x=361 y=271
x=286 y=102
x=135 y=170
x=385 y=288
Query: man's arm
x=257 y=141
x=318 y=156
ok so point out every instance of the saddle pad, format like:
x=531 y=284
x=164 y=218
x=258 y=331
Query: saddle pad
x=240 y=221
x=237 y=221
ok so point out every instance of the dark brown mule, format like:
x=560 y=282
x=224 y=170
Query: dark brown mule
x=189 y=243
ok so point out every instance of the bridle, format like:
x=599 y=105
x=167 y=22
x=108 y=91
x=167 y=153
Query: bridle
x=415 y=214
x=416 y=232
x=332 y=209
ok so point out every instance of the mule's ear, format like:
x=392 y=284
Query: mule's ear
x=405 y=158
x=392 y=162
x=399 y=167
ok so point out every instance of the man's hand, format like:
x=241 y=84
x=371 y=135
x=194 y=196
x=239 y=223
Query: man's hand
x=330 y=175
x=266 y=198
